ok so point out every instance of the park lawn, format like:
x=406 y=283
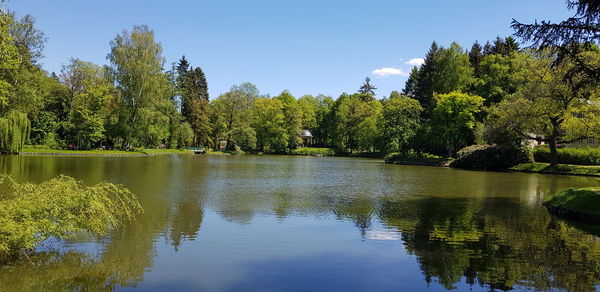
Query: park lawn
x=568 y=169
x=583 y=200
x=144 y=152
x=313 y=151
x=78 y=152
x=166 y=151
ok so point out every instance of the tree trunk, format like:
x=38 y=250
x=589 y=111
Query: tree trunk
x=553 y=152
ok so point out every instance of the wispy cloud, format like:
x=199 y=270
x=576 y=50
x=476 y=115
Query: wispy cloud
x=415 y=62
x=382 y=235
x=385 y=72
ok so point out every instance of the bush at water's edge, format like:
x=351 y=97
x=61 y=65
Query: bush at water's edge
x=578 y=156
x=490 y=157
x=412 y=158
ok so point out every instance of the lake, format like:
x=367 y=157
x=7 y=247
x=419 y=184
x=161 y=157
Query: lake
x=286 y=223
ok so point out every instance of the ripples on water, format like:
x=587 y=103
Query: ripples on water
x=302 y=223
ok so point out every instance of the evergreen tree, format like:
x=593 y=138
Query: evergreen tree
x=367 y=89
x=424 y=85
x=511 y=45
x=499 y=46
x=410 y=86
x=182 y=67
x=570 y=37
x=475 y=57
x=488 y=49
x=193 y=90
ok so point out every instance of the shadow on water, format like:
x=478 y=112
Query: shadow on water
x=457 y=228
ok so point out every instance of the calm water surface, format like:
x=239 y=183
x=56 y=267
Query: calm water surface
x=279 y=223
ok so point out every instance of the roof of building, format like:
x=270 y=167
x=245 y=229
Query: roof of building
x=306 y=134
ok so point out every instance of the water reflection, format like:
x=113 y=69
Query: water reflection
x=337 y=223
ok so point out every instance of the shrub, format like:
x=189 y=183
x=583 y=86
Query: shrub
x=36 y=147
x=413 y=158
x=490 y=157
x=313 y=151
x=580 y=156
x=31 y=213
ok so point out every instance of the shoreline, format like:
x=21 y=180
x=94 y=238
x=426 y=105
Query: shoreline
x=572 y=214
x=102 y=153
x=81 y=154
x=577 y=204
x=534 y=167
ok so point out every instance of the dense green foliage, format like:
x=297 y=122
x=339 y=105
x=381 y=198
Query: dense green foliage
x=399 y=122
x=581 y=156
x=490 y=157
x=14 y=131
x=496 y=94
x=31 y=213
x=580 y=200
x=454 y=119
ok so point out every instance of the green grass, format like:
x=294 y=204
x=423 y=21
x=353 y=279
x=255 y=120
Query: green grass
x=588 y=170
x=166 y=151
x=313 y=151
x=139 y=152
x=215 y=152
x=94 y=152
x=585 y=200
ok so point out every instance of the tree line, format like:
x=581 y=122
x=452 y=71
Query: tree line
x=496 y=93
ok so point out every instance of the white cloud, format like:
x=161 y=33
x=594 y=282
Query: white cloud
x=385 y=72
x=415 y=62
x=382 y=235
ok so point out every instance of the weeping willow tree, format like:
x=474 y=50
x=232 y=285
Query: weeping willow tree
x=14 y=131
x=59 y=208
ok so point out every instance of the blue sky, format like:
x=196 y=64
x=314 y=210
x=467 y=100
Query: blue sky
x=307 y=47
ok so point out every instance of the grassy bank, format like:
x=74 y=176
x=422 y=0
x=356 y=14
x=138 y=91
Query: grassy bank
x=313 y=151
x=140 y=152
x=166 y=151
x=417 y=159
x=567 y=169
x=81 y=152
x=582 y=204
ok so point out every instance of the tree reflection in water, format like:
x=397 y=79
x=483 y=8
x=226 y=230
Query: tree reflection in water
x=483 y=237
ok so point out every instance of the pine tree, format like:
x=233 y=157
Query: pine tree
x=499 y=46
x=488 y=49
x=182 y=67
x=569 y=37
x=368 y=90
x=511 y=45
x=424 y=85
x=193 y=90
x=475 y=57
x=410 y=86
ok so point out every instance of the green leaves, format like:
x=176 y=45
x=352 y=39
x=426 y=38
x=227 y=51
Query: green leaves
x=31 y=213
x=137 y=64
x=454 y=118
x=14 y=131
x=399 y=122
